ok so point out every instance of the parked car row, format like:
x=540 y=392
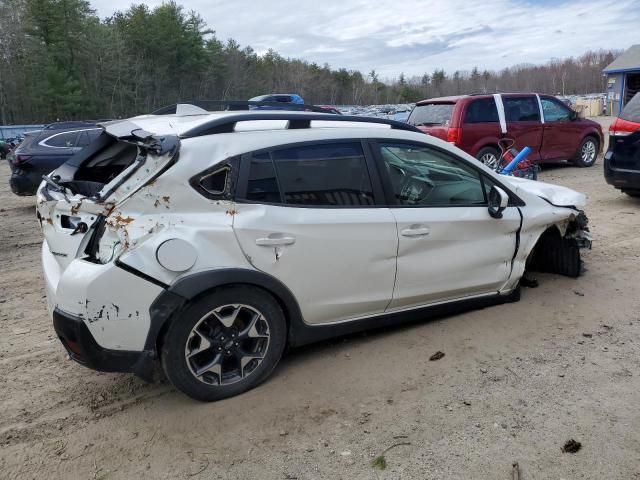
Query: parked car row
x=473 y=123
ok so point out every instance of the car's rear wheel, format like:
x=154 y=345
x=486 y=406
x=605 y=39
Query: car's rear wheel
x=225 y=343
x=632 y=193
x=489 y=156
x=587 y=153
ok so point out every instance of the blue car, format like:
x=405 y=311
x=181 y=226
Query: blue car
x=276 y=98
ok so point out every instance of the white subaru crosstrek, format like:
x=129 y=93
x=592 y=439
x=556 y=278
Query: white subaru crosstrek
x=211 y=241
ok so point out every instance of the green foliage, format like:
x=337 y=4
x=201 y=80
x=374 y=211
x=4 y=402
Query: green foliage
x=379 y=462
x=59 y=61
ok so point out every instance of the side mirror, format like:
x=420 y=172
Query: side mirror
x=498 y=201
x=573 y=115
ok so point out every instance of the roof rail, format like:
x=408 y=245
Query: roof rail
x=215 y=105
x=501 y=91
x=295 y=120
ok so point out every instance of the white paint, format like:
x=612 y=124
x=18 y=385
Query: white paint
x=176 y=255
x=501 y=117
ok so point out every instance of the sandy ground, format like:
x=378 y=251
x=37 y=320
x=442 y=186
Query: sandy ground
x=517 y=381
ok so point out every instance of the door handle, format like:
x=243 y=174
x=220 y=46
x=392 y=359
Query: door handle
x=273 y=241
x=415 y=231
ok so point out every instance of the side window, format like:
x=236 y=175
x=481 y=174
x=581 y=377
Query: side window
x=481 y=110
x=63 y=140
x=83 y=139
x=554 y=111
x=262 y=185
x=421 y=176
x=521 y=109
x=324 y=175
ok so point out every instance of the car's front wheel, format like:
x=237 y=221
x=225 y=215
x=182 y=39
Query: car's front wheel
x=225 y=343
x=587 y=153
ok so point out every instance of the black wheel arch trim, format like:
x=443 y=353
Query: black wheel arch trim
x=169 y=303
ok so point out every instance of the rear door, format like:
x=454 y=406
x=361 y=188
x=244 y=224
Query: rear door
x=562 y=135
x=524 y=126
x=449 y=246
x=481 y=125
x=307 y=215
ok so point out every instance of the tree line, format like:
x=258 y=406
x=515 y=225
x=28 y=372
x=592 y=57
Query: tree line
x=59 y=61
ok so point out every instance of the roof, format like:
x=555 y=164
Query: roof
x=628 y=61
x=250 y=120
x=451 y=99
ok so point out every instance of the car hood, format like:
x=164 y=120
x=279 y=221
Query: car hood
x=554 y=194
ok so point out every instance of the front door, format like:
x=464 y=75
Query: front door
x=307 y=215
x=449 y=246
x=562 y=136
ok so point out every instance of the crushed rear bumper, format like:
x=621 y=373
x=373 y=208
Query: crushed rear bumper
x=82 y=347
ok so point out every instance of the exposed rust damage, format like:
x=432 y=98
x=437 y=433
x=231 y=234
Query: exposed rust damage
x=232 y=211
x=122 y=221
x=49 y=221
x=75 y=208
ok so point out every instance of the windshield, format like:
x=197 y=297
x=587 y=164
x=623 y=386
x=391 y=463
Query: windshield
x=631 y=111
x=431 y=114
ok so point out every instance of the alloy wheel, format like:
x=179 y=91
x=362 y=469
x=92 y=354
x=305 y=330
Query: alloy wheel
x=588 y=152
x=227 y=344
x=490 y=160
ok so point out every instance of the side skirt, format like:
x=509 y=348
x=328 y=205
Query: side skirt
x=302 y=334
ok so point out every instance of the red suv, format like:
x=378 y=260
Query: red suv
x=476 y=123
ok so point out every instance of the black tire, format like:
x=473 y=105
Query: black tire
x=173 y=351
x=486 y=152
x=581 y=159
x=632 y=193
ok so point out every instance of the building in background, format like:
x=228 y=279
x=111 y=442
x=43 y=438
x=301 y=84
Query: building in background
x=623 y=79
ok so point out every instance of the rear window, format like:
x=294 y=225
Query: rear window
x=521 y=109
x=431 y=114
x=482 y=110
x=631 y=111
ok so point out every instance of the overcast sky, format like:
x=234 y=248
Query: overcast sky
x=417 y=36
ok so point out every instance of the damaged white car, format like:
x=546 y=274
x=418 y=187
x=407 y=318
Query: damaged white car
x=208 y=242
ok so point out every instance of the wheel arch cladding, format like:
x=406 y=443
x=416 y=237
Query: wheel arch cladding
x=168 y=305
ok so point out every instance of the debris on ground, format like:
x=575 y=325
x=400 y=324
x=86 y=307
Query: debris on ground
x=436 y=356
x=571 y=446
x=380 y=461
x=580 y=294
x=587 y=335
x=529 y=282
x=515 y=471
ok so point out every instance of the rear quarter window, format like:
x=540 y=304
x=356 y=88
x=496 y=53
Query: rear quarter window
x=482 y=110
x=61 y=140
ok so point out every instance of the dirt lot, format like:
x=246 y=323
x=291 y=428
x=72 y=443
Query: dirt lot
x=516 y=382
